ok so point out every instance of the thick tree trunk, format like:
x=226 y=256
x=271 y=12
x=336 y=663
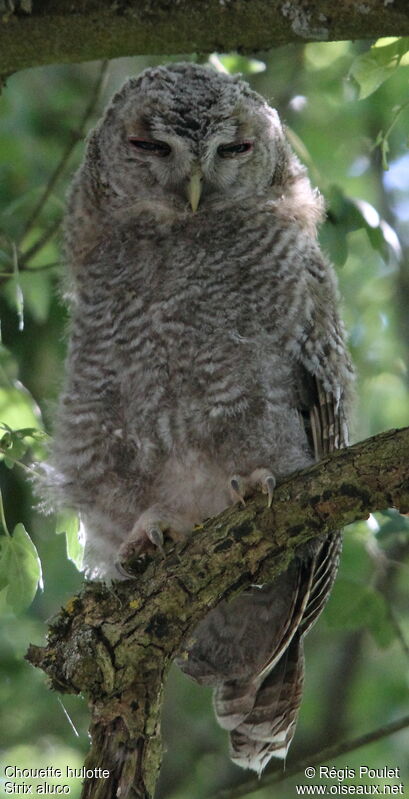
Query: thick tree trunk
x=34 y=32
x=116 y=644
x=128 y=746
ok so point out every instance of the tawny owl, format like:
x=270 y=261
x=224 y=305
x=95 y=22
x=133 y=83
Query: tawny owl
x=206 y=359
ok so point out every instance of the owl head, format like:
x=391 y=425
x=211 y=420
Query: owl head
x=192 y=138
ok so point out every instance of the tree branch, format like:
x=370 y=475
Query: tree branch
x=76 y=136
x=315 y=759
x=116 y=645
x=91 y=29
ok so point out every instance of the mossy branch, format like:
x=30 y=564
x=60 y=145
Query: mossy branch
x=115 y=645
x=34 y=33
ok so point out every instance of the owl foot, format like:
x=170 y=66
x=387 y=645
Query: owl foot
x=133 y=547
x=148 y=535
x=241 y=487
x=262 y=478
x=155 y=535
x=238 y=488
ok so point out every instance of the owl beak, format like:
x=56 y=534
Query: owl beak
x=194 y=188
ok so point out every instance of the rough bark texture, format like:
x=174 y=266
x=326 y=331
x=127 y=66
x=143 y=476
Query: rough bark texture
x=116 y=644
x=46 y=31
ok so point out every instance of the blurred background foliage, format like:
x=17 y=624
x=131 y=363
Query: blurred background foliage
x=347 y=123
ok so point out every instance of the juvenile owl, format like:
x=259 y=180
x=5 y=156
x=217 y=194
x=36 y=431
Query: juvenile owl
x=206 y=360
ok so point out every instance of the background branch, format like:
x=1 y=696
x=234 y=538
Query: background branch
x=65 y=31
x=346 y=667
x=315 y=759
x=76 y=136
x=23 y=258
x=116 y=645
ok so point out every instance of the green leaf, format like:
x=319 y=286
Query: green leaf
x=4 y=606
x=8 y=366
x=37 y=292
x=344 y=210
x=392 y=524
x=334 y=242
x=20 y=570
x=20 y=417
x=356 y=562
x=18 y=409
x=68 y=523
x=372 y=68
x=15 y=443
x=346 y=214
x=237 y=63
x=353 y=605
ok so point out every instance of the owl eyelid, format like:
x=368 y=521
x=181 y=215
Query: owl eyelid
x=233 y=149
x=150 y=146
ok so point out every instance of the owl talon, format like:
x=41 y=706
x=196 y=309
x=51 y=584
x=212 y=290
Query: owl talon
x=270 y=484
x=122 y=570
x=155 y=535
x=237 y=486
x=240 y=486
x=266 y=481
x=149 y=533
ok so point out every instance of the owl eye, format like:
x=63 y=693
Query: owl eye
x=231 y=150
x=150 y=146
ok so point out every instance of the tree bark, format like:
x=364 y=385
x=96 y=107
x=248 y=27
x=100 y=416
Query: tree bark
x=34 y=32
x=115 y=644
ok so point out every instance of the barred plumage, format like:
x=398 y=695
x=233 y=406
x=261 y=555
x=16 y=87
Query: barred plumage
x=206 y=357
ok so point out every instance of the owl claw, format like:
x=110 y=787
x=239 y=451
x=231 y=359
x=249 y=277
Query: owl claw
x=270 y=483
x=238 y=487
x=241 y=487
x=136 y=549
x=155 y=535
x=149 y=533
x=267 y=482
x=122 y=571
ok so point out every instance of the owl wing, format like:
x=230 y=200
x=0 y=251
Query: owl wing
x=324 y=378
x=251 y=649
x=253 y=653
x=328 y=425
x=328 y=431
x=267 y=730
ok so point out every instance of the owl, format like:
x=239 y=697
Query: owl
x=206 y=360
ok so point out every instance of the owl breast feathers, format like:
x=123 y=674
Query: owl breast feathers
x=206 y=360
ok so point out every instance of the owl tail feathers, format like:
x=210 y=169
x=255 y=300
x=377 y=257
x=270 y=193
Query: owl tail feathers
x=269 y=727
x=233 y=702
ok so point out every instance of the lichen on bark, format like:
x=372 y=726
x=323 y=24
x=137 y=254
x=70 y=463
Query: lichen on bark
x=62 y=31
x=115 y=644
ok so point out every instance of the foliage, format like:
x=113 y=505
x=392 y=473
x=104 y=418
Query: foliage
x=20 y=570
x=371 y=69
x=345 y=135
x=376 y=65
